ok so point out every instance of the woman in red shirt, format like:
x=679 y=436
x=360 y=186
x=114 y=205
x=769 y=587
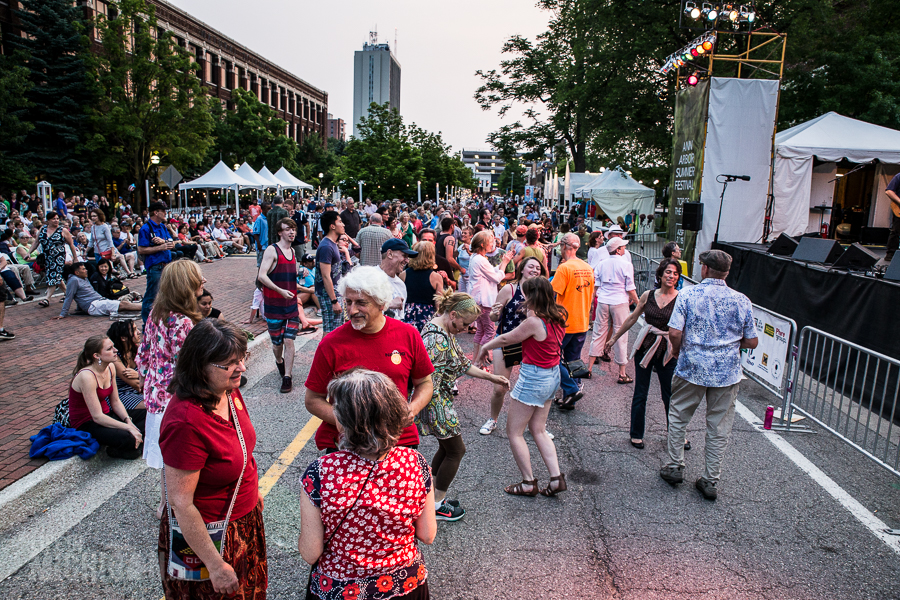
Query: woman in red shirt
x=540 y=334
x=207 y=443
x=366 y=504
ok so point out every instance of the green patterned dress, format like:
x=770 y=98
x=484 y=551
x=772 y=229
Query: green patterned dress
x=439 y=417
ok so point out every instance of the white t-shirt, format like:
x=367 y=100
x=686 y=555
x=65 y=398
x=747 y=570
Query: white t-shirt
x=219 y=235
x=399 y=292
x=499 y=230
x=615 y=279
x=483 y=280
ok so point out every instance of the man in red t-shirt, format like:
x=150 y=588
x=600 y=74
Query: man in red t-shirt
x=371 y=341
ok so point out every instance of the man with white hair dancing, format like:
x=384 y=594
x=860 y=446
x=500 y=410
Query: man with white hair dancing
x=372 y=341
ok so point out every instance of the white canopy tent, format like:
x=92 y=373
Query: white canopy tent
x=273 y=181
x=220 y=177
x=618 y=194
x=831 y=138
x=289 y=181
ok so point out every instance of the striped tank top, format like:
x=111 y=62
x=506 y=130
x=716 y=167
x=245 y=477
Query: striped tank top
x=284 y=275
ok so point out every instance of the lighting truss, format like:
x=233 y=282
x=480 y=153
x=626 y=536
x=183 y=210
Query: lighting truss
x=703 y=45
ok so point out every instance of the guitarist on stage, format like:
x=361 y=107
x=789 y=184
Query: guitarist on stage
x=893 y=194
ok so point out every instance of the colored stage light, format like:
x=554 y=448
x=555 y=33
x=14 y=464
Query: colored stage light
x=695 y=13
x=692 y=80
x=690 y=9
x=694 y=52
x=707 y=45
x=712 y=15
x=699 y=49
x=733 y=16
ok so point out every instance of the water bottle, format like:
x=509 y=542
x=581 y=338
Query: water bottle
x=770 y=412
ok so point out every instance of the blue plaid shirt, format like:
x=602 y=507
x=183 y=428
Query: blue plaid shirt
x=714 y=319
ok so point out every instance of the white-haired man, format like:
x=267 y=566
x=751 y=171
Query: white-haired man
x=372 y=341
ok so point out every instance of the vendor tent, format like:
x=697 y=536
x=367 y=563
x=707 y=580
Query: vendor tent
x=618 y=194
x=220 y=177
x=831 y=138
x=274 y=182
x=289 y=181
x=247 y=172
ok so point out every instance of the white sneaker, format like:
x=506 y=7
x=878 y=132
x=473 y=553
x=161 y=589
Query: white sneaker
x=489 y=426
x=549 y=435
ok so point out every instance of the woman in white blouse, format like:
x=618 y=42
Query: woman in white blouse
x=483 y=280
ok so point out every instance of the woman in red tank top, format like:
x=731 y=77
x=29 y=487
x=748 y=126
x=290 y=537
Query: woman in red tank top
x=540 y=334
x=94 y=404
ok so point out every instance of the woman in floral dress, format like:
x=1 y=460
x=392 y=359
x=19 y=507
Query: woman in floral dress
x=53 y=240
x=175 y=312
x=456 y=311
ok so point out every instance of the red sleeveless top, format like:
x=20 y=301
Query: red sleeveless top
x=544 y=354
x=78 y=410
x=284 y=275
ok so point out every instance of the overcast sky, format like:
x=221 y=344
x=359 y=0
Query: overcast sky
x=440 y=45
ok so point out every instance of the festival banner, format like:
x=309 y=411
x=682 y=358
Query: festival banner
x=529 y=193
x=691 y=105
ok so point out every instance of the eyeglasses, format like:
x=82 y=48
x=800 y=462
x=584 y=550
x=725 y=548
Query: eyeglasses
x=233 y=365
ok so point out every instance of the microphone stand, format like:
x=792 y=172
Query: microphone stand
x=721 y=202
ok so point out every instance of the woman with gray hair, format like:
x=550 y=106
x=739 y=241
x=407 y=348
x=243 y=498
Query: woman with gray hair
x=366 y=504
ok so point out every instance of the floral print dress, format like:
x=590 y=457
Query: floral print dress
x=439 y=417
x=54 y=249
x=157 y=356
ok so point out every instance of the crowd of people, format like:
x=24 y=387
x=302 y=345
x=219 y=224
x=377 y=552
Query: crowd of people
x=392 y=286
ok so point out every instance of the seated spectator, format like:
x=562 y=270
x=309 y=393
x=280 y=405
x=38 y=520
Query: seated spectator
x=223 y=238
x=11 y=278
x=206 y=308
x=105 y=282
x=127 y=338
x=243 y=230
x=79 y=289
x=94 y=404
x=306 y=279
x=15 y=261
x=182 y=240
x=126 y=250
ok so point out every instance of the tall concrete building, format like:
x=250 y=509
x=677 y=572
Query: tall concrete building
x=376 y=78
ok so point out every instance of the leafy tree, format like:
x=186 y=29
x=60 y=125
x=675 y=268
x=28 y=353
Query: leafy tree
x=253 y=133
x=383 y=156
x=13 y=86
x=512 y=178
x=314 y=158
x=151 y=100
x=439 y=166
x=55 y=53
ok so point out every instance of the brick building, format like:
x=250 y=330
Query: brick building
x=336 y=128
x=225 y=65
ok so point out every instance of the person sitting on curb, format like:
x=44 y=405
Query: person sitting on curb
x=86 y=297
x=11 y=279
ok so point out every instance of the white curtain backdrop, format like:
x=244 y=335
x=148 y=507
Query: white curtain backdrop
x=739 y=132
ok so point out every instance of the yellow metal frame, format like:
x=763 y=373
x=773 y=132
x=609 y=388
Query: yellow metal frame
x=755 y=41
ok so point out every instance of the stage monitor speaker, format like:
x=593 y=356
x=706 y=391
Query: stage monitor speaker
x=692 y=216
x=857 y=257
x=817 y=250
x=784 y=245
x=893 y=270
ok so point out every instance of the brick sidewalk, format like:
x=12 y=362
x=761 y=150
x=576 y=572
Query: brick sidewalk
x=37 y=365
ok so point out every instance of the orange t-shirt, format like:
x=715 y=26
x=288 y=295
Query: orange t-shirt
x=574 y=287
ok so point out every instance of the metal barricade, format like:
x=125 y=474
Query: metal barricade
x=771 y=363
x=851 y=391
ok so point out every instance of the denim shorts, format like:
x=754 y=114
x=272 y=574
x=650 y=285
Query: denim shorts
x=536 y=385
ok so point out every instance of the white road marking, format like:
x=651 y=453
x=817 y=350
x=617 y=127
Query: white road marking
x=860 y=512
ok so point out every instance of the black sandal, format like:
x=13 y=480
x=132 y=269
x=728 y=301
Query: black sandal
x=561 y=486
x=44 y=303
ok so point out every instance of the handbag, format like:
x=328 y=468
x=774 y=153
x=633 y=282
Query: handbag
x=577 y=368
x=107 y=254
x=182 y=562
x=312 y=567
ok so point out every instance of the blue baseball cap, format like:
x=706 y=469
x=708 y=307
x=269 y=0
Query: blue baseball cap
x=398 y=245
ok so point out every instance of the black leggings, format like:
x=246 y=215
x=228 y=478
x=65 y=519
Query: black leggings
x=119 y=443
x=446 y=461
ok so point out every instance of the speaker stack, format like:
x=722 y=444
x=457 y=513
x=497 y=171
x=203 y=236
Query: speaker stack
x=817 y=250
x=893 y=270
x=784 y=245
x=692 y=216
x=857 y=257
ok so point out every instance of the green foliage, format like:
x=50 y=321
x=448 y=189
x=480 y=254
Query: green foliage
x=151 y=100
x=315 y=158
x=439 y=166
x=512 y=178
x=13 y=86
x=55 y=54
x=253 y=133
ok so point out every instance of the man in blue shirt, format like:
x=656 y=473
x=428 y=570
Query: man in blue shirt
x=710 y=325
x=60 y=206
x=260 y=232
x=155 y=245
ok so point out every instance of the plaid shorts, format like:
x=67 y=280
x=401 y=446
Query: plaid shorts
x=281 y=329
x=330 y=321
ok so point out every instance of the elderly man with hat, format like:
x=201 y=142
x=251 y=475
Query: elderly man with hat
x=710 y=325
x=615 y=292
x=395 y=255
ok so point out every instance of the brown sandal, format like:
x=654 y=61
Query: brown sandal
x=516 y=489
x=549 y=491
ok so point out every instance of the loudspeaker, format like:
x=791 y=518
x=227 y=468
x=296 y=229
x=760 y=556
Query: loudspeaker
x=857 y=257
x=874 y=236
x=692 y=216
x=817 y=250
x=784 y=245
x=893 y=270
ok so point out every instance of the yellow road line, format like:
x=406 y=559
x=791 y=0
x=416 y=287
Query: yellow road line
x=287 y=457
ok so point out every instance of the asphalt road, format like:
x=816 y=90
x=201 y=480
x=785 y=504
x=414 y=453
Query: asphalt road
x=619 y=532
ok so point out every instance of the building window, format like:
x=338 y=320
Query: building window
x=493 y=172
x=493 y=164
x=476 y=156
x=476 y=164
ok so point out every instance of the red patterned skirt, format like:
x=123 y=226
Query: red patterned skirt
x=245 y=551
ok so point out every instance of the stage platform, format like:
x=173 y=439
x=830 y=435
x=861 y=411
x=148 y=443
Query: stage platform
x=851 y=305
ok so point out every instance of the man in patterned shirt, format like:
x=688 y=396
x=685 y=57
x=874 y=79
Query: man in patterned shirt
x=710 y=325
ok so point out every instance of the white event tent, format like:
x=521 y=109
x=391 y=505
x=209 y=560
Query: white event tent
x=799 y=185
x=289 y=181
x=220 y=177
x=618 y=194
x=273 y=181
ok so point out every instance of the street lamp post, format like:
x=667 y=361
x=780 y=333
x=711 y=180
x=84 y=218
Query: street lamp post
x=437 y=192
x=360 y=182
x=154 y=161
x=419 y=191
